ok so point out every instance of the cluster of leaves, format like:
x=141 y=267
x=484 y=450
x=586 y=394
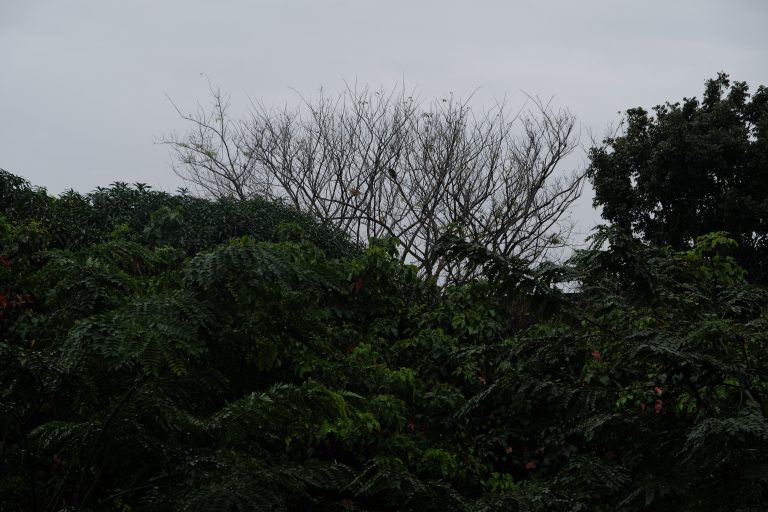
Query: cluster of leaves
x=692 y=168
x=140 y=214
x=274 y=374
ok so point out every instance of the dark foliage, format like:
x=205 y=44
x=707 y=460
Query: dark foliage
x=138 y=213
x=273 y=375
x=692 y=168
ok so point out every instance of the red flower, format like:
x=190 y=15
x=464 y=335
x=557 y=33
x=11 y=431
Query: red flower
x=596 y=354
x=357 y=285
x=659 y=390
x=657 y=405
x=5 y=261
x=411 y=425
x=531 y=465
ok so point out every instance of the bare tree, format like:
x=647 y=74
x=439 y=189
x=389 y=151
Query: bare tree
x=377 y=163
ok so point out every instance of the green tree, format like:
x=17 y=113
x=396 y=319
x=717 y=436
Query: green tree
x=692 y=168
x=138 y=213
x=142 y=371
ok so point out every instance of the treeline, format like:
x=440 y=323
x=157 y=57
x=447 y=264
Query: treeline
x=140 y=214
x=165 y=352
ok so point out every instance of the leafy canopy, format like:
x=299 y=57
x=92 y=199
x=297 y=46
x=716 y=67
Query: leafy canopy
x=159 y=368
x=691 y=168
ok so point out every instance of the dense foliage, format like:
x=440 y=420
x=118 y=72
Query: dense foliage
x=140 y=214
x=692 y=168
x=142 y=371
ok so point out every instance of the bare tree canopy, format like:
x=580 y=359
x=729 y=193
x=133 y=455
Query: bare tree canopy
x=383 y=163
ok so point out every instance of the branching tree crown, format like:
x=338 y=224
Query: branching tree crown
x=692 y=168
x=382 y=163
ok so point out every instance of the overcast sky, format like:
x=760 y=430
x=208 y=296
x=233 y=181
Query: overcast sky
x=83 y=83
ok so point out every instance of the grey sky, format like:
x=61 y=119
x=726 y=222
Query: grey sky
x=83 y=82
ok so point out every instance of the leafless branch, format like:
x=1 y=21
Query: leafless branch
x=382 y=163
